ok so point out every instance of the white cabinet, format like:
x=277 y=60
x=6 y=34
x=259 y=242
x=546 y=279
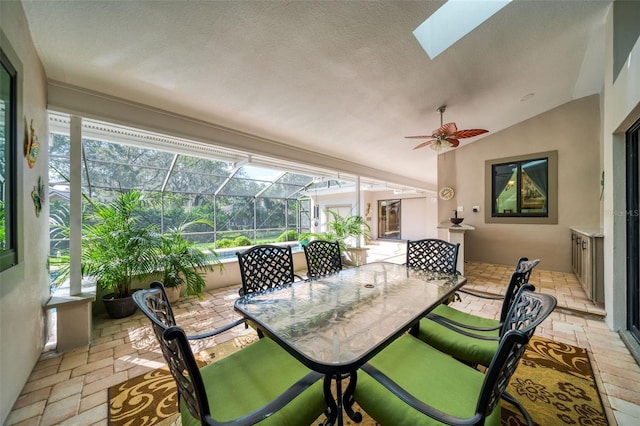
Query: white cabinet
x=587 y=261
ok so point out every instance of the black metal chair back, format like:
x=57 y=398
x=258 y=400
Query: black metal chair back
x=518 y=279
x=527 y=312
x=160 y=306
x=265 y=267
x=504 y=364
x=176 y=350
x=432 y=255
x=323 y=258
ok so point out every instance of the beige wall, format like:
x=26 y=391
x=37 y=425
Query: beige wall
x=24 y=288
x=573 y=130
x=417 y=215
x=418 y=211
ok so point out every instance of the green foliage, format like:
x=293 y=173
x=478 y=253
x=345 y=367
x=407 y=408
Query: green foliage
x=341 y=229
x=119 y=243
x=290 y=235
x=224 y=243
x=116 y=246
x=182 y=262
x=242 y=241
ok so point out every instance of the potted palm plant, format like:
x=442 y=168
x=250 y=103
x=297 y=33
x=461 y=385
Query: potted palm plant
x=118 y=247
x=182 y=263
x=342 y=229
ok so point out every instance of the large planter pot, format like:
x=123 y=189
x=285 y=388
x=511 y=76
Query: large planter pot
x=353 y=256
x=119 y=308
x=174 y=293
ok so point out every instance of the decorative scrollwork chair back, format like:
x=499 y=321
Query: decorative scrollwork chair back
x=323 y=258
x=264 y=267
x=160 y=306
x=175 y=349
x=510 y=351
x=519 y=278
x=432 y=254
x=528 y=310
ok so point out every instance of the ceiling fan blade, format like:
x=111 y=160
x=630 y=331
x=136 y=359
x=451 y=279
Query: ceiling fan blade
x=447 y=129
x=423 y=144
x=454 y=142
x=469 y=133
x=418 y=137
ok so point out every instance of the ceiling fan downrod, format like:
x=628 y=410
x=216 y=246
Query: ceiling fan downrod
x=442 y=109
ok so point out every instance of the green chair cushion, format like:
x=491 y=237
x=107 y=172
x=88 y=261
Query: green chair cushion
x=464 y=317
x=252 y=377
x=431 y=376
x=463 y=347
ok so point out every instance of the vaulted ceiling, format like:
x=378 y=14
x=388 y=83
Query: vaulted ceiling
x=343 y=78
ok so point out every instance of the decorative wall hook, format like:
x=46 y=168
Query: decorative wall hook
x=31 y=146
x=38 y=196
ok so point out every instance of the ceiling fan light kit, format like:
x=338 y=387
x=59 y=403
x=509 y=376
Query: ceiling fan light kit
x=447 y=136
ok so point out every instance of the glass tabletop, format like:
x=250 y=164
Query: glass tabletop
x=336 y=323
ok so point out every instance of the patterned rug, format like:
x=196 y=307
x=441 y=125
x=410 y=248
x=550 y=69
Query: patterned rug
x=554 y=382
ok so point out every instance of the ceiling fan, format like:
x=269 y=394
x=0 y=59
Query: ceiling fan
x=447 y=135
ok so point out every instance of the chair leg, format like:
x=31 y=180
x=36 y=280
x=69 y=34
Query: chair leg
x=508 y=397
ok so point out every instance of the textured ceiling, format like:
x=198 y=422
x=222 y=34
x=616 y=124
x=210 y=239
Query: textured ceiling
x=344 y=78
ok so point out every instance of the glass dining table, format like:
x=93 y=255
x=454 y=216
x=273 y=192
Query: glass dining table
x=336 y=323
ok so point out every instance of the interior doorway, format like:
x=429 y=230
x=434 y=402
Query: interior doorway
x=633 y=232
x=389 y=219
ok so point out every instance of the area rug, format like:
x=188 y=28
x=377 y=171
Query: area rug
x=554 y=382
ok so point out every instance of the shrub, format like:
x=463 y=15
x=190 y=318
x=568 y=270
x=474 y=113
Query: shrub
x=242 y=241
x=289 y=235
x=224 y=243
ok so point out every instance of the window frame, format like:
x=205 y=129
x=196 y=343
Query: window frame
x=551 y=217
x=9 y=255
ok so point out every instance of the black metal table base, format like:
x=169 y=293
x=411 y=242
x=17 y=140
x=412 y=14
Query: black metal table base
x=341 y=402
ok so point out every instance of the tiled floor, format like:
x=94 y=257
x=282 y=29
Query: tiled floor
x=71 y=388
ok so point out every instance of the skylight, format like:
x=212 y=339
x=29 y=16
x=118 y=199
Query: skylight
x=452 y=21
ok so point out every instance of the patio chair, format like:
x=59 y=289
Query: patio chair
x=276 y=389
x=265 y=267
x=473 y=339
x=323 y=258
x=442 y=326
x=433 y=255
x=160 y=306
x=411 y=382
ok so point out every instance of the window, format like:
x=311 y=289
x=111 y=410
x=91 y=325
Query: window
x=8 y=143
x=522 y=189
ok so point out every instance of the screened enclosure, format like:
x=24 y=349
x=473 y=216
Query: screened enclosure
x=246 y=199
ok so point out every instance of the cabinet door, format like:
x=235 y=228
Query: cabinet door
x=587 y=265
x=575 y=253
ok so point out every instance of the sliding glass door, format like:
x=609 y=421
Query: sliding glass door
x=633 y=232
x=389 y=219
